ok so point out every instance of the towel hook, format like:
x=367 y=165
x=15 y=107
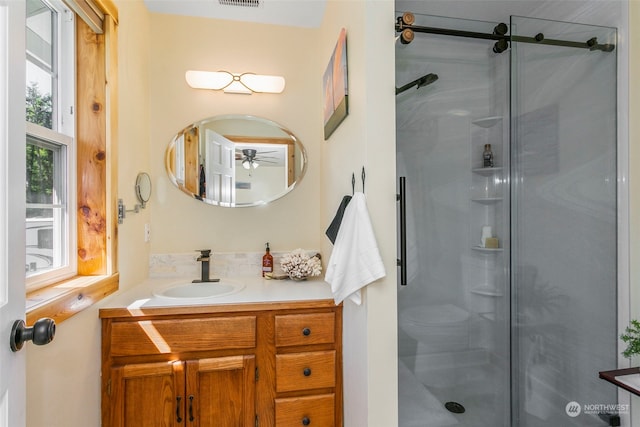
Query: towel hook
x=353 y=181
x=353 y=184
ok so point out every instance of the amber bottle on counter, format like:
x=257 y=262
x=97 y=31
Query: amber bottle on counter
x=267 y=262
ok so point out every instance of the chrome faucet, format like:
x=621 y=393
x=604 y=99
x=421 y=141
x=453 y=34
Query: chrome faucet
x=204 y=258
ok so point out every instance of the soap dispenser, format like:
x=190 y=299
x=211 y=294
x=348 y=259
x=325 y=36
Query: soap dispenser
x=267 y=261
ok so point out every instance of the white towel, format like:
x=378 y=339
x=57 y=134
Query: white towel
x=355 y=261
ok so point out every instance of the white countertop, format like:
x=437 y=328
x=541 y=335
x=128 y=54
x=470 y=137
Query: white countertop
x=256 y=289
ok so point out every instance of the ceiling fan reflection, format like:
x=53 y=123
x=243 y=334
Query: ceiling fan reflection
x=251 y=159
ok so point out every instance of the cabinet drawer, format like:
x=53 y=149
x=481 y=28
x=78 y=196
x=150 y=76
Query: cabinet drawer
x=305 y=371
x=312 y=410
x=172 y=336
x=303 y=329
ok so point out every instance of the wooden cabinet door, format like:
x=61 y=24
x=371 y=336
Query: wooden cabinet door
x=221 y=392
x=148 y=395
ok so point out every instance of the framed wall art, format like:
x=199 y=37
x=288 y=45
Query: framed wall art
x=336 y=94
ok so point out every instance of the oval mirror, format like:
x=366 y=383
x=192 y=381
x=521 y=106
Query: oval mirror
x=143 y=188
x=235 y=160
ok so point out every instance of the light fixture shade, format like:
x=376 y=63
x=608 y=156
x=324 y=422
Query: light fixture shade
x=259 y=83
x=214 y=80
x=246 y=83
x=236 y=87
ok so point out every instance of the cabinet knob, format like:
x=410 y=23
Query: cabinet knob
x=306 y=421
x=306 y=332
x=307 y=372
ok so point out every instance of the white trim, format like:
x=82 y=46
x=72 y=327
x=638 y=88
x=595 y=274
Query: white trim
x=4 y=136
x=70 y=269
x=12 y=205
x=66 y=80
x=64 y=130
x=624 y=248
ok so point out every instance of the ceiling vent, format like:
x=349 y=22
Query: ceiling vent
x=242 y=3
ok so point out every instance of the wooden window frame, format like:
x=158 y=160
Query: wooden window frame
x=96 y=141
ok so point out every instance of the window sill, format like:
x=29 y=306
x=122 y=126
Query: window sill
x=64 y=299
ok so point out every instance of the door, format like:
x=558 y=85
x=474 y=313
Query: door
x=453 y=314
x=512 y=333
x=221 y=391
x=12 y=208
x=147 y=394
x=220 y=168
x=564 y=221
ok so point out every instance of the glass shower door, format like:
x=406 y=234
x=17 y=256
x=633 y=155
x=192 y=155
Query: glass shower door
x=563 y=231
x=453 y=315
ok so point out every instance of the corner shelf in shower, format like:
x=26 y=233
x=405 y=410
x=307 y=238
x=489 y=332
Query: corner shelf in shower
x=487 y=171
x=487 y=122
x=486 y=291
x=488 y=316
x=487 y=200
x=486 y=250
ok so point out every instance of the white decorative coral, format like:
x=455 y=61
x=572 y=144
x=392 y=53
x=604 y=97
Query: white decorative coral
x=299 y=265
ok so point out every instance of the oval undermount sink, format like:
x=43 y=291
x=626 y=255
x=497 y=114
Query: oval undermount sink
x=200 y=290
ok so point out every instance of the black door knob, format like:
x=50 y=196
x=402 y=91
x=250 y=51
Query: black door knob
x=306 y=332
x=41 y=333
x=306 y=372
x=306 y=421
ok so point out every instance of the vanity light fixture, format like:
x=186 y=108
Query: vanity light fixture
x=246 y=83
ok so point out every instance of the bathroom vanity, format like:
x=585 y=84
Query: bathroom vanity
x=233 y=362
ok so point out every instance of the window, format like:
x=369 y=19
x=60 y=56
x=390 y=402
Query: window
x=50 y=153
x=70 y=152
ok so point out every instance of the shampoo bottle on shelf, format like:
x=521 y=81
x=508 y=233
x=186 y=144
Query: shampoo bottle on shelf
x=267 y=262
x=487 y=156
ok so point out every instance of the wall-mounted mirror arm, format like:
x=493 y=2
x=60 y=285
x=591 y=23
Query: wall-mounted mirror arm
x=143 y=193
x=122 y=210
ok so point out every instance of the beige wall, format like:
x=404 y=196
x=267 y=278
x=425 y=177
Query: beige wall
x=366 y=138
x=183 y=224
x=155 y=103
x=63 y=378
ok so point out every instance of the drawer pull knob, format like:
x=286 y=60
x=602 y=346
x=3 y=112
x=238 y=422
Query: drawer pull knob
x=306 y=421
x=306 y=332
x=307 y=372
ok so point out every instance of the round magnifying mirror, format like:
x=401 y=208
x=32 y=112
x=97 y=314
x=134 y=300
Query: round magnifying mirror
x=143 y=188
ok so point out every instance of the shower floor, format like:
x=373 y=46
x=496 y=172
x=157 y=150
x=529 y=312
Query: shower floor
x=472 y=379
x=466 y=377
